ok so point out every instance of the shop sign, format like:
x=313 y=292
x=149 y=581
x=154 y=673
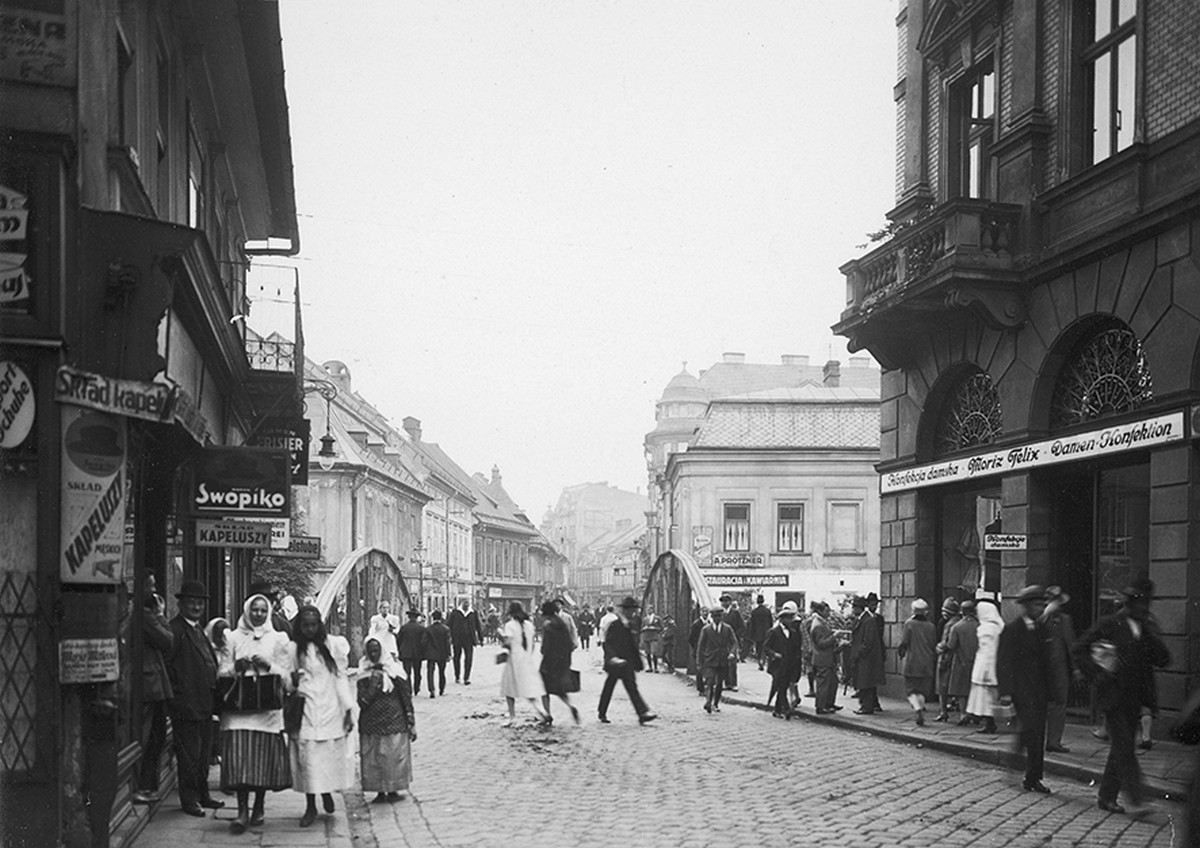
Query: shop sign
x=746 y=559
x=15 y=285
x=1004 y=541
x=1093 y=444
x=187 y=415
x=87 y=650
x=37 y=43
x=93 y=497
x=232 y=534
x=242 y=482
x=16 y=404
x=281 y=534
x=495 y=592
x=289 y=434
x=744 y=580
x=300 y=547
x=702 y=546
x=132 y=398
x=88 y=660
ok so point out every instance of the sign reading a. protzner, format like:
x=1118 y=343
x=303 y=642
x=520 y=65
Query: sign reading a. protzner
x=232 y=534
x=1004 y=541
x=93 y=497
x=742 y=560
x=242 y=482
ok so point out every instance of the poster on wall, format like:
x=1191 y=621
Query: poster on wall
x=702 y=545
x=16 y=405
x=242 y=482
x=38 y=43
x=15 y=285
x=93 y=497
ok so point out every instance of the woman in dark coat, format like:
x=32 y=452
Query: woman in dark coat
x=950 y=617
x=556 y=661
x=918 y=643
x=386 y=723
x=961 y=645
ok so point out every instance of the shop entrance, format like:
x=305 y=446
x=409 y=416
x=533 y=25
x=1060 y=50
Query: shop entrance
x=964 y=567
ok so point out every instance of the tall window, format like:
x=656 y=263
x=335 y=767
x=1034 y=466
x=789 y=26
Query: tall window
x=126 y=97
x=195 y=181
x=1110 y=74
x=972 y=109
x=845 y=528
x=737 y=527
x=790 y=527
x=162 y=131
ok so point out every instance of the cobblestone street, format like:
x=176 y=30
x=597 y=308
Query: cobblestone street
x=737 y=777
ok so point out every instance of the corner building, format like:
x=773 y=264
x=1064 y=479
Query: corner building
x=1036 y=309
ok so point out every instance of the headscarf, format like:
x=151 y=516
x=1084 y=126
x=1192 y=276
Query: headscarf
x=211 y=627
x=244 y=625
x=252 y=641
x=386 y=664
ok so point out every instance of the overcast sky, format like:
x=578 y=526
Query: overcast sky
x=518 y=218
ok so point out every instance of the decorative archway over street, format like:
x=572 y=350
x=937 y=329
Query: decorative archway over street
x=676 y=587
x=353 y=591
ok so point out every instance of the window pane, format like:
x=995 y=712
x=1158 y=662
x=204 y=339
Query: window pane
x=736 y=511
x=1126 y=9
x=1126 y=99
x=1102 y=14
x=973 y=170
x=989 y=95
x=791 y=512
x=1101 y=106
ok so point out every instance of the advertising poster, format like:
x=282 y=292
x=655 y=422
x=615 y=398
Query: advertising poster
x=93 y=497
x=242 y=482
x=16 y=405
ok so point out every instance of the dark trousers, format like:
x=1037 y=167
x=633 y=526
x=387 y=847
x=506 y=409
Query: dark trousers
x=464 y=653
x=413 y=669
x=714 y=683
x=628 y=676
x=1122 y=770
x=1056 y=711
x=699 y=672
x=780 y=683
x=154 y=736
x=731 y=675
x=826 y=687
x=193 y=739
x=1032 y=717
x=440 y=665
x=758 y=651
x=868 y=699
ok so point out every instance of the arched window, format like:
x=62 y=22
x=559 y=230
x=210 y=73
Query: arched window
x=970 y=416
x=1106 y=375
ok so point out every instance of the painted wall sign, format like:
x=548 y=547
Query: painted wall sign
x=37 y=43
x=1093 y=444
x=132 y=398
x=242 y=482
x=746 y=559
x=300 y=547
x=1004 y=541
x=88 y=660
x=17 y=404
x=232 y=534
x=93 y=497
x=744 y=580
x=702 y=545
x=289 y=434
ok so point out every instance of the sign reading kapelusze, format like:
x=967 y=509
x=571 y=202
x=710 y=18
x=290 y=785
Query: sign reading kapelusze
x=1117 y=439
x=739 y=560
x=242 y=482
x=291 y=435
x=232 y=534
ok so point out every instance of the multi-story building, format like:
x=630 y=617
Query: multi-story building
x=585 y=512
x=144 y=153
x=1035 y=308
x=507 y=549
x=612 y=565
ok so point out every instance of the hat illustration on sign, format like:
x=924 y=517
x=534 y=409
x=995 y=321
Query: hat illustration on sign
x=96 y=440
x=94 y=443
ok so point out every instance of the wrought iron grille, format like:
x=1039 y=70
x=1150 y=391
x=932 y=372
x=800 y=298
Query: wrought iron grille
x=1106 y=376
x=971 y=416
x=18 y=665
x=271 y=354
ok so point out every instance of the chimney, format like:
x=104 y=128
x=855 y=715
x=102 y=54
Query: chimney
x=859 y=362
x=794 y=360
x=495 y=475
x=412 y=426
x=733 y=358
x=833 y=373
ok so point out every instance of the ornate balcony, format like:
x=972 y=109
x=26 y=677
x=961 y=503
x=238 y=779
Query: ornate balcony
x=960 y=254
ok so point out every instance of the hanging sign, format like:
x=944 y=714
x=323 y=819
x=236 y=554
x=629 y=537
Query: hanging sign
x=242 y=482
x=16 y=404
x=1004 y=541
x=744 y=580
x=1093 y=444
x=232 y=534
x=300 y=547
x=147 y=401
x=93 y=497
x=291 y=435
x=281 y=533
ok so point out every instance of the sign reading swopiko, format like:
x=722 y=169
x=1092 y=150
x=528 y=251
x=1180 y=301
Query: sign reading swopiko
x=242 y=482
x=16 y=405
x=93 y=497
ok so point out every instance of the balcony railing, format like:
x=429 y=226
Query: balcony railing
x=271 y=354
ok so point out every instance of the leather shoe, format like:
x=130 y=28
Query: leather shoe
x=308 y=818
x=211 y=804
x=1037 y=786
x=646 y=718
x=1058 y=749
x=824 y=712
x=1110 y=806
x=603 y=720
x=864 y=712
x=194 y=810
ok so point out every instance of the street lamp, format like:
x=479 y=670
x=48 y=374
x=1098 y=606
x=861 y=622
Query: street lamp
x=419 y=562
x=328 y=453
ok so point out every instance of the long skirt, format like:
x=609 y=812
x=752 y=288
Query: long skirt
x=386 y=762
x=253 y=759
x=321 y=765
x=982 y=700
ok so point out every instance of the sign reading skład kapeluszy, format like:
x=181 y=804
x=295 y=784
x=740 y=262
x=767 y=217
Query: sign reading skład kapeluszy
x=242 y=482
x=93 y=497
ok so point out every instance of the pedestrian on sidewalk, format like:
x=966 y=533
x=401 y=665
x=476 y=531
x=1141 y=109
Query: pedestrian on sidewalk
x=733 y=617
x=826 y=647
x=761 y=622
x=918 y=651
x=387 y=725
x=279 y=619
x=649 y=639
x=982 y=701
x=1060 y=635
x=435 y=647
x=950 y=616
x=668 y=636
x=410 y=648
x=465 y=633
x=961 y=647
x=157 y=642
x=865 y=659
x=320 y=751
x=782 y=650
x=716 y=649
x=254 y=755
x=192 y=668
x=555 y=669
x=880 y=630
x=520 y=678
x=694 y=642
x=1024 y=674
x=622 y=662
x=806 y=649
x=607 y=619
x=384 y=626
x=1120 y=652
x=217 y=633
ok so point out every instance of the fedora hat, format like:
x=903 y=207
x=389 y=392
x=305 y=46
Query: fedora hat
x=858 y=602
x=872 y=598
x=1031 y=593
x=1056 y=593
x=192 y=589
x=1139 y=587
x=630 y=603
x=950 y=605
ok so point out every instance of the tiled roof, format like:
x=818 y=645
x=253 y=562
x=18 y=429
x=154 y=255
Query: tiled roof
x=737 y=378
x=439 y=463
x=494 y=507
x=779 y=423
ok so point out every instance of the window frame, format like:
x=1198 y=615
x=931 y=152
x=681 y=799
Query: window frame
x=725 y=526
x=1090 y=50
x=967 y=91
x=860 y=534
x=800 y=523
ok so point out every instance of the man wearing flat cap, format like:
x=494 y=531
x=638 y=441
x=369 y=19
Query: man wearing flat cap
x=716 y=648
x=1120 y=653
x=622 y=661
x=192 y=669
x=1060 y=635
x=1023 y=677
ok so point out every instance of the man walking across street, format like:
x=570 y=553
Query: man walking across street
x=465 y=633
x=410 y=643
x=1023 y=675
x=192 y=667
x=716 y=649
x=622 y=661
x=1061 y=637
x=760 y=625
x=435 y=646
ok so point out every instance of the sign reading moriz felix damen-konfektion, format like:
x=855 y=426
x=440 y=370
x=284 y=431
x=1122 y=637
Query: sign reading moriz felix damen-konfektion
x=1093 y=444
x=242 y=482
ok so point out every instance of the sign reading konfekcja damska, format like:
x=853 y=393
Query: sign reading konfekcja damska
x=93 y=497
x=1090 y=445
x=242 y=482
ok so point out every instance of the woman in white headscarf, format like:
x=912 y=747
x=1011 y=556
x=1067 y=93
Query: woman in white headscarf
x=254 y=756
x=386 y=724
x=982 y=700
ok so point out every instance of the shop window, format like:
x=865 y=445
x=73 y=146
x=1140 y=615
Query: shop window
x=1106 y=375
x=790 y=527
x=970 y=416
x=972 y=111
x=737 y=527
x=1109 y=60
x=845 y=528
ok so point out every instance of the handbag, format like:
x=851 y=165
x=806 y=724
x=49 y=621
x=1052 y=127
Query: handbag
x=252 y=693
x=502 y=658
x=571 y=681
x=293 y=713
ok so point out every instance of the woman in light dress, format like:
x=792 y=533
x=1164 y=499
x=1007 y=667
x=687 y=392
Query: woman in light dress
x=521 y=677
x=983 y=697
x=386 y=724
x=320 y=752
x=254 y=755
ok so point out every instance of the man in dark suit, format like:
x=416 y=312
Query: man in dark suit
x=761 y=621
x=1024 y=677
x=716 y=648
x=865 y=659
x=622 y=661
x=192 y=668
x=1120 y=653
x=465 y=633
x=733 y=617
x=824 y=658
x=410 y=645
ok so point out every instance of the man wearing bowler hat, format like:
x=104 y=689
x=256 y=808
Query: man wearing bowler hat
x=192 y=668
x=1023 y=674
x=622 y=661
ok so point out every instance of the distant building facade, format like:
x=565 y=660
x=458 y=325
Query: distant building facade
x=585 y=512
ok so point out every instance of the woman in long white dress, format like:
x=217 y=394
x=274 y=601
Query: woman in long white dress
x=984 y=683
x=521 y=677
x=320 y=754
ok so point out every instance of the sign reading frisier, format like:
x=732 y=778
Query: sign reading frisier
x=242 y=481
